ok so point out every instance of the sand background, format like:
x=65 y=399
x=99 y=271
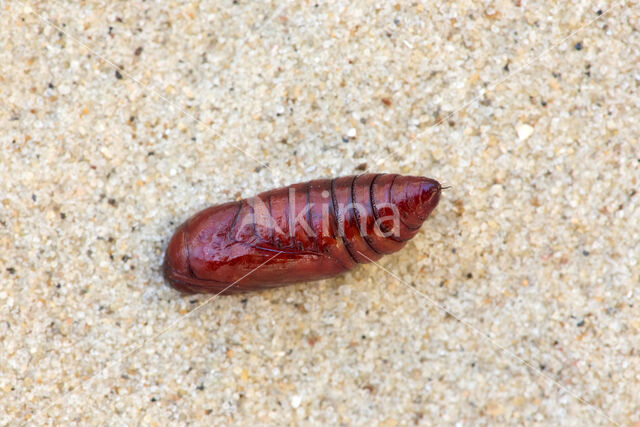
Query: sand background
x=119 y=120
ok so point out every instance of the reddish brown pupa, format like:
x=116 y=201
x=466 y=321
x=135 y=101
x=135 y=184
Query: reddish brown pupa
x=303 y=232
